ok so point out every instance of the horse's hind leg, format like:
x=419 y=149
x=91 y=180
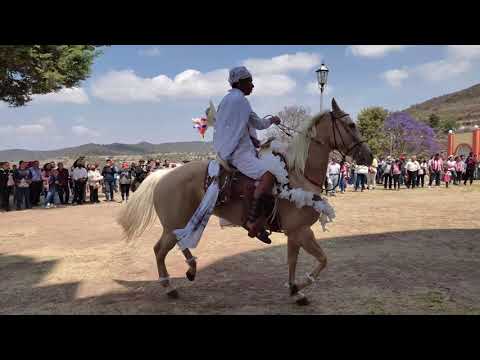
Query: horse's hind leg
x=161 y=249
x=192 y=264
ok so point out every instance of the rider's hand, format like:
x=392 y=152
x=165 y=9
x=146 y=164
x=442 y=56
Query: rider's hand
x=275 y=120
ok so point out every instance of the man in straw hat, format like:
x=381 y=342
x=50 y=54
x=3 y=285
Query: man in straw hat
x=235 y=141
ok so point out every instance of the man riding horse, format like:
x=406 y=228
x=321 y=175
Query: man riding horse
x=235 y=142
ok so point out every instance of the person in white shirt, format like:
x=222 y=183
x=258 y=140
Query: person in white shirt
x=80 y=176
x=422 y=172
x=412 y=168
x=234 y=140
x=94 y=178
x=372 y=174
x=333 y=173
x=362 y=172
x=451 y=166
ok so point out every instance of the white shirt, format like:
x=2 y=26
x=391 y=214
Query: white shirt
x=333 y=169
x=412 y=166
x=423 y=168
x=94 y=177
x=79 y=173
x=362 y=169
x=233 y=127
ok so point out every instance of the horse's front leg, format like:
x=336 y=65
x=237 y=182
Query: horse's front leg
x=309 y=243
x=293 y=249
x=294 y=241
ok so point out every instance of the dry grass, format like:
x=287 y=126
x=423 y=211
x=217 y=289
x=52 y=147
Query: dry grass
x=406 y=252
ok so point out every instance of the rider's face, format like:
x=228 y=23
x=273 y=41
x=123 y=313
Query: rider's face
x=246 y=86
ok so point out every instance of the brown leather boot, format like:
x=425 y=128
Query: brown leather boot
x=254 y=224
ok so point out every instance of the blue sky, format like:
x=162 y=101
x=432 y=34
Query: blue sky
x=151 y=93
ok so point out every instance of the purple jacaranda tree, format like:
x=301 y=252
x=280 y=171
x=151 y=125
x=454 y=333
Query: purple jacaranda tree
x=409 y=136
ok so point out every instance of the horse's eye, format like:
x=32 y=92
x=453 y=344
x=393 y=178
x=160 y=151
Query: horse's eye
x=352 y=125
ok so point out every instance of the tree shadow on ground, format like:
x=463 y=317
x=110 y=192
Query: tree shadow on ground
x=20 y=284
x=412 y=272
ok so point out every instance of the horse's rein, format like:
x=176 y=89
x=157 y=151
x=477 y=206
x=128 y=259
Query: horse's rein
x=285 y=129
x=335 y=127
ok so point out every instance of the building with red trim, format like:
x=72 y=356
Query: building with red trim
x=464 y=142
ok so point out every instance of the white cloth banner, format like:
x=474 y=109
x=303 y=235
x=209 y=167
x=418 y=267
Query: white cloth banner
x=189 y=237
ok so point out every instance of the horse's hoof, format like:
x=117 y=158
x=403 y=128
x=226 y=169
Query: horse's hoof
x=303 y=301
x=173 y=294
x=190 y=276
x=293 y=289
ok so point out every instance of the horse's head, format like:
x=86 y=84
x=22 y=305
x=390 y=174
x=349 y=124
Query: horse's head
x=344 y=136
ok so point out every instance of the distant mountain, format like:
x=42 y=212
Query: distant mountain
x=462 y=106
x=114 y=149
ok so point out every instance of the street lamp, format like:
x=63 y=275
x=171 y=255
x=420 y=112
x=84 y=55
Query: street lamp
x=322 y=76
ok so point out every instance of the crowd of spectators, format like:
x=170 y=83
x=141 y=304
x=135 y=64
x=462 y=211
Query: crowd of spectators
x=410 y=173
x=30 y=185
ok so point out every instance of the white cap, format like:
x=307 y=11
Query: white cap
x=237 y=74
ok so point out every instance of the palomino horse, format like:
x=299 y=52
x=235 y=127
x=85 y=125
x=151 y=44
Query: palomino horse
x=174 y=196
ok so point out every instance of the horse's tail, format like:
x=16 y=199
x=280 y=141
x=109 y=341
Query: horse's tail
x=139 y=213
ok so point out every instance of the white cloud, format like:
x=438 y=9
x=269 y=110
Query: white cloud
x=459 y=60
x=151 y=51
x=443 y=69
x=79 y=119
x=270 y=79
x=40 y=127
x=81 y=130
x=312 y=89
x=374 y=51
x=125 y=86
x=31 y=129
x=273 y=85
x=73 y=95
x=284 y=63
x=395 y=77
x=464 y=51
x=8 y=129
x=46 y=121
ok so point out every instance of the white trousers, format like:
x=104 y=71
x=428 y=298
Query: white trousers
x=371 y=179
x=249 y=164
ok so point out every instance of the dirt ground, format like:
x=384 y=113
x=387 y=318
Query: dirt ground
x=406 y=252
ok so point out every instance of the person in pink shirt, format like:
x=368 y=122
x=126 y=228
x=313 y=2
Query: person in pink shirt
x=459 y=168
x=447 y=175
x=435 y=167
x=396 y=171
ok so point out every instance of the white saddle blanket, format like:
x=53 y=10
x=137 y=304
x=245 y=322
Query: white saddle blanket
x=189 y=236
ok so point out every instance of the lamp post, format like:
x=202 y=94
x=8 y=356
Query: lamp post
x=322 y=76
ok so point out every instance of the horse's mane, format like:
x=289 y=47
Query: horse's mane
x=297 y=153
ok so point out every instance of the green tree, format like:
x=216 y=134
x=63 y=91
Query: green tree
x=434 y=121
x=27 y=70
x=448 y=124
x=370 y=123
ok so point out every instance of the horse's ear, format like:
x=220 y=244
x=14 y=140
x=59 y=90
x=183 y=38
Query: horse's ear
x=335 y=107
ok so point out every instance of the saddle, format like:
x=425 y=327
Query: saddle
x=235 y=186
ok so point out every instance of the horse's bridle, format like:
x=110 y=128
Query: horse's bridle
x=335 y=129
x=335 y=146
